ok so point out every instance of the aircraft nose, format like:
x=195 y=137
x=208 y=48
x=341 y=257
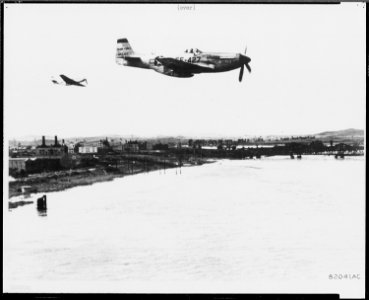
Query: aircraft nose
x=244 y=59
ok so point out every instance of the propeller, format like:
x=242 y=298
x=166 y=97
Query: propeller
x=241 y=73
x=244 y=60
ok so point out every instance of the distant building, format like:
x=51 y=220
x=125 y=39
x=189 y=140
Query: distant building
x=160 y=146
x=55 y=150
x=117 y=147
x=18 y=164
x=149 y=145
x=145 y=146
x=33 y=165
x=87 y=149
x=104 y=146
x=71 y=148
x=131 y=146
x=70 y=161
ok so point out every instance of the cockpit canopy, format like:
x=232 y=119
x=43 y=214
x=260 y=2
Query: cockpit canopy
x=193 y=50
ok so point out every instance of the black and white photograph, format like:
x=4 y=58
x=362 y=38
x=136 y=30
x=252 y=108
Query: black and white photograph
x=184 y=148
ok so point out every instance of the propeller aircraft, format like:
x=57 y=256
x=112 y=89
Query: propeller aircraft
x=191 y=62
x=69 y=81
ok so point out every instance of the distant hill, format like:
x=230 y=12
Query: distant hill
x=348 y=136
x=346 y=133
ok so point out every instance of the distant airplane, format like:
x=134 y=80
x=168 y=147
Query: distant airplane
x=69 y=81
x=192 y=61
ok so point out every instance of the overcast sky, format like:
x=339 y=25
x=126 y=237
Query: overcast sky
x=308 y=70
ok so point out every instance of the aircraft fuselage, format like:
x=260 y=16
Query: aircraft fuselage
x=207 y=62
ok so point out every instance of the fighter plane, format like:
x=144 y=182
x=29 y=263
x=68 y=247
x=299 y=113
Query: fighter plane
x=69 y=81
x=191 y=62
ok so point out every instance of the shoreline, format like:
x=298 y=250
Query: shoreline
x=62 y=180
x=55 y=181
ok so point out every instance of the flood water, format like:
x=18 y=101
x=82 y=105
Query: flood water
x=274 y=225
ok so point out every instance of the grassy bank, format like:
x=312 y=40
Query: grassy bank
x=62 y=180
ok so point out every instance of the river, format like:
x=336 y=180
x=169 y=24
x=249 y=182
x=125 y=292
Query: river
x=274 y=225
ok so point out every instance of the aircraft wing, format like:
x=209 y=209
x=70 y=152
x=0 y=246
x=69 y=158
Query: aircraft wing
x=77 y=83
x=67 y=80
x=206 y=66
x=181 y=66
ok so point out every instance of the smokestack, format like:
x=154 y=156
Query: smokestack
x=43 y=141
x=56 y=140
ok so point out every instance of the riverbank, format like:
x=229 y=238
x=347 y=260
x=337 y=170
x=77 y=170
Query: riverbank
x=127 y=165
x=61 y=180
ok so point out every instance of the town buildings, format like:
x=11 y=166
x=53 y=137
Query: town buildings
x=48 y=151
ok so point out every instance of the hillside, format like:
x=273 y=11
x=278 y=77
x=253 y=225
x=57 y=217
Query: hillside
x=346 y=133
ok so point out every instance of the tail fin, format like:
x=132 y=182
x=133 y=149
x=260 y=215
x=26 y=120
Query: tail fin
x=123 y=48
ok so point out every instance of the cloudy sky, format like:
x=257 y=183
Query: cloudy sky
x=308 y=70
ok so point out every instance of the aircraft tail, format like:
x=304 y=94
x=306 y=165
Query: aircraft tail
x=123 y=48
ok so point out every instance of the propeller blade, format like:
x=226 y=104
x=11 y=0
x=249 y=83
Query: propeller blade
x=241 y=74
x=248 y=67
x=245 y=50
